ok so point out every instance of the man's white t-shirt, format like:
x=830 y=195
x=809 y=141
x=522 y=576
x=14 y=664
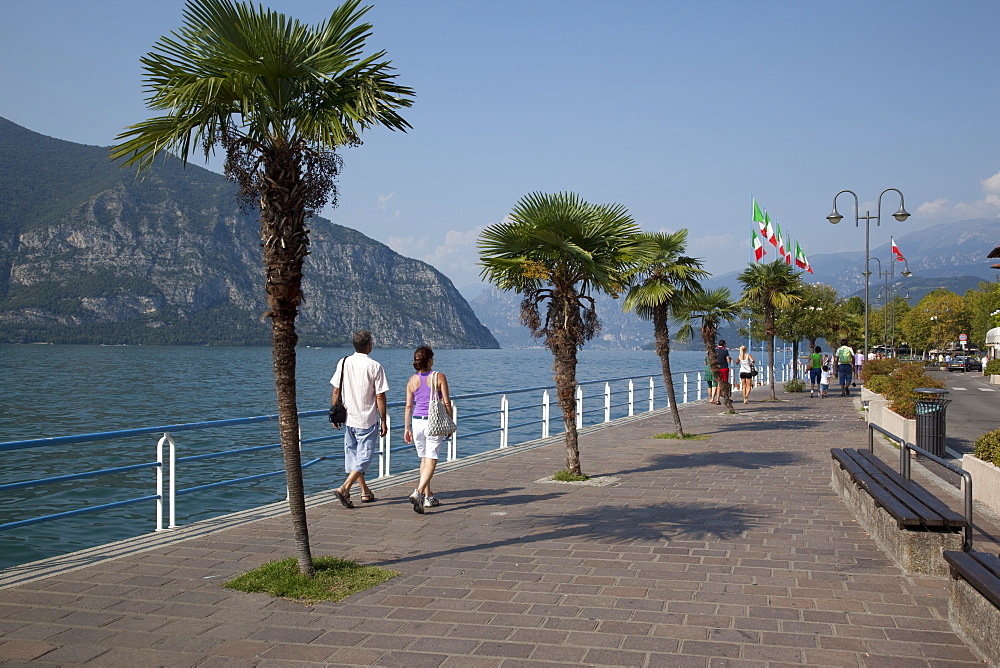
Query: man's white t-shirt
x=363 y=379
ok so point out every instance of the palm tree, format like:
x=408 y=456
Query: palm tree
x=769 y=287
x=657 y=286
x=713 y=308
x=557 y=250
x=280 y=97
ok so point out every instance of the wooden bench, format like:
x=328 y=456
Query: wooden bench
x=974 y=603
x=907 y=521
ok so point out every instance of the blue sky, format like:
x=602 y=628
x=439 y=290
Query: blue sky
x=677 y=110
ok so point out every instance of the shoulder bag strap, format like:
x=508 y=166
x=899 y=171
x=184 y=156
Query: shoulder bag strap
x=343 y=363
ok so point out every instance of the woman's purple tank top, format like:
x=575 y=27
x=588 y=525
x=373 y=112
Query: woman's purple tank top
x=422 y=395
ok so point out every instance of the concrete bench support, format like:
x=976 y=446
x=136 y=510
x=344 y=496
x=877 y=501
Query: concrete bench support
x=916 y=551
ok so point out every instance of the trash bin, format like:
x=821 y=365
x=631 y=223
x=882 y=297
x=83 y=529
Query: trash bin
x=930 y=409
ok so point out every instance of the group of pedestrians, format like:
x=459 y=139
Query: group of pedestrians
x=360 y=383
x=747 y=372
x=820 y=373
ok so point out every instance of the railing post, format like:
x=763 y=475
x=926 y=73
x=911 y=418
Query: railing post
x=698 y=381
x=652 y=393
x=504 y=421
x=159 y=483
x=171 y=483
x=685 y=378
x=579 y=406
x=453 y=441
x=607 y=402
x=546 y=412
x=631 y=398
x=385 y=445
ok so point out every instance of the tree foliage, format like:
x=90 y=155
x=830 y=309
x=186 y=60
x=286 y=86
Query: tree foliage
x=557 y=251
x=279 y=97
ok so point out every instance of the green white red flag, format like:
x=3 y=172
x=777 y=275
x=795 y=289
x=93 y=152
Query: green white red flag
x=756 y=244
x=781 y=239
x=758 y=216
x=800 y=257
x=769 y=230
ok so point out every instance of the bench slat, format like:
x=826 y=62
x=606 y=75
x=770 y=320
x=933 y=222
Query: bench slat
x=972 y=571
x=949 y=516
x=904 y=516
x=990 y=561
x=893 y=483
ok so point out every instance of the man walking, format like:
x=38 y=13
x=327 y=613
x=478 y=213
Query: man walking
x=845 y=370
x=363 y=390
x=724 y=360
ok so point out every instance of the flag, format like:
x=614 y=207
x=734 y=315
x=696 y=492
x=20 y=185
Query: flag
x=800 y=257
x=769 y=230
x=755 y=243
x=758 y=217
x=781 y=239
x=895 y=251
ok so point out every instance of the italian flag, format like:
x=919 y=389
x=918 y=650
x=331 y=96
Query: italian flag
x=895 y=251
x=769 y=230
x=758 y=216
x=800 y=257
x=781 y=239
x=756 y=244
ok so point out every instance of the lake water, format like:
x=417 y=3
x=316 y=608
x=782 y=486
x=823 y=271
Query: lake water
x=52 y=390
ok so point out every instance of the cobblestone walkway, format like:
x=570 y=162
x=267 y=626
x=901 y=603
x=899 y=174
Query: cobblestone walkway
x=731 y=551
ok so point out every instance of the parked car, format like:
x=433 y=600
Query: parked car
x=963 y=364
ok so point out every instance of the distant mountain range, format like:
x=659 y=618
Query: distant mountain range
x=91 y=254
x=951 y=255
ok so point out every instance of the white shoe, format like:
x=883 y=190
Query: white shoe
x=431 y=502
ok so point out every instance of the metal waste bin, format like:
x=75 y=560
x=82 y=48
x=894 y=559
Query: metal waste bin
x=931 y=428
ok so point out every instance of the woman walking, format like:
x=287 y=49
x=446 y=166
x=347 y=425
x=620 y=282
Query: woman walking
x=746 y=362
x=418 y=396
x=815 y=371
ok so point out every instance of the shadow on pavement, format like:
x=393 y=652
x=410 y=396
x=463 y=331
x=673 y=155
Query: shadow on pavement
x=656 y=522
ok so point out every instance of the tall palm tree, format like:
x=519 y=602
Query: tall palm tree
x=657 y=285
x=279 y=97
x=769 y=287
x=712 y=307
x=557 y=250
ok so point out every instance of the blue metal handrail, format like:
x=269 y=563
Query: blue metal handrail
x=166 y=466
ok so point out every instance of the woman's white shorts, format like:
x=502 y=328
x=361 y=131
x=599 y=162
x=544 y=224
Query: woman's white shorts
x=427 y=446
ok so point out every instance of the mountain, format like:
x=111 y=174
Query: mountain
x=950 y=255
x=938 y=257
x=91 y=254
x=501 y=312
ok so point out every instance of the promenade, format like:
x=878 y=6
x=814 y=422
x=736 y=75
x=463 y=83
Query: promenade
x=731 y=551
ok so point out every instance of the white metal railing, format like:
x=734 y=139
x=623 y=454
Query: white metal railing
x=472 y=427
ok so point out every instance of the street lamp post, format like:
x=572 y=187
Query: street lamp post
x=835 y=218
x=890 y=278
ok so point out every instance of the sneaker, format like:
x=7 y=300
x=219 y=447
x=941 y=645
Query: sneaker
x=431 y=502
x=417 y=499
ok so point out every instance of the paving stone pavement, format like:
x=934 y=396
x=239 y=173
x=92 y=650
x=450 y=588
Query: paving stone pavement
x=730 y=551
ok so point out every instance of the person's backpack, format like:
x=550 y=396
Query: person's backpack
x=845 y=355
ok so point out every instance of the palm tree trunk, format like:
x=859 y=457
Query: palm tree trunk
x=285 y=242
x=564 y=372
x=795 y=359
x=662 y=336
x=564 y=323
x=769 y=333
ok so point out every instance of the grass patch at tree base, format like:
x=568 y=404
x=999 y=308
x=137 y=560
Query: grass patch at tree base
x=566 y=476
x=335 y=579
x=687 y=437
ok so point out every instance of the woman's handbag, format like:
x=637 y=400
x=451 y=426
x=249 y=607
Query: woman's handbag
x=338 y=411
x=439 y=422
x=753 y=370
